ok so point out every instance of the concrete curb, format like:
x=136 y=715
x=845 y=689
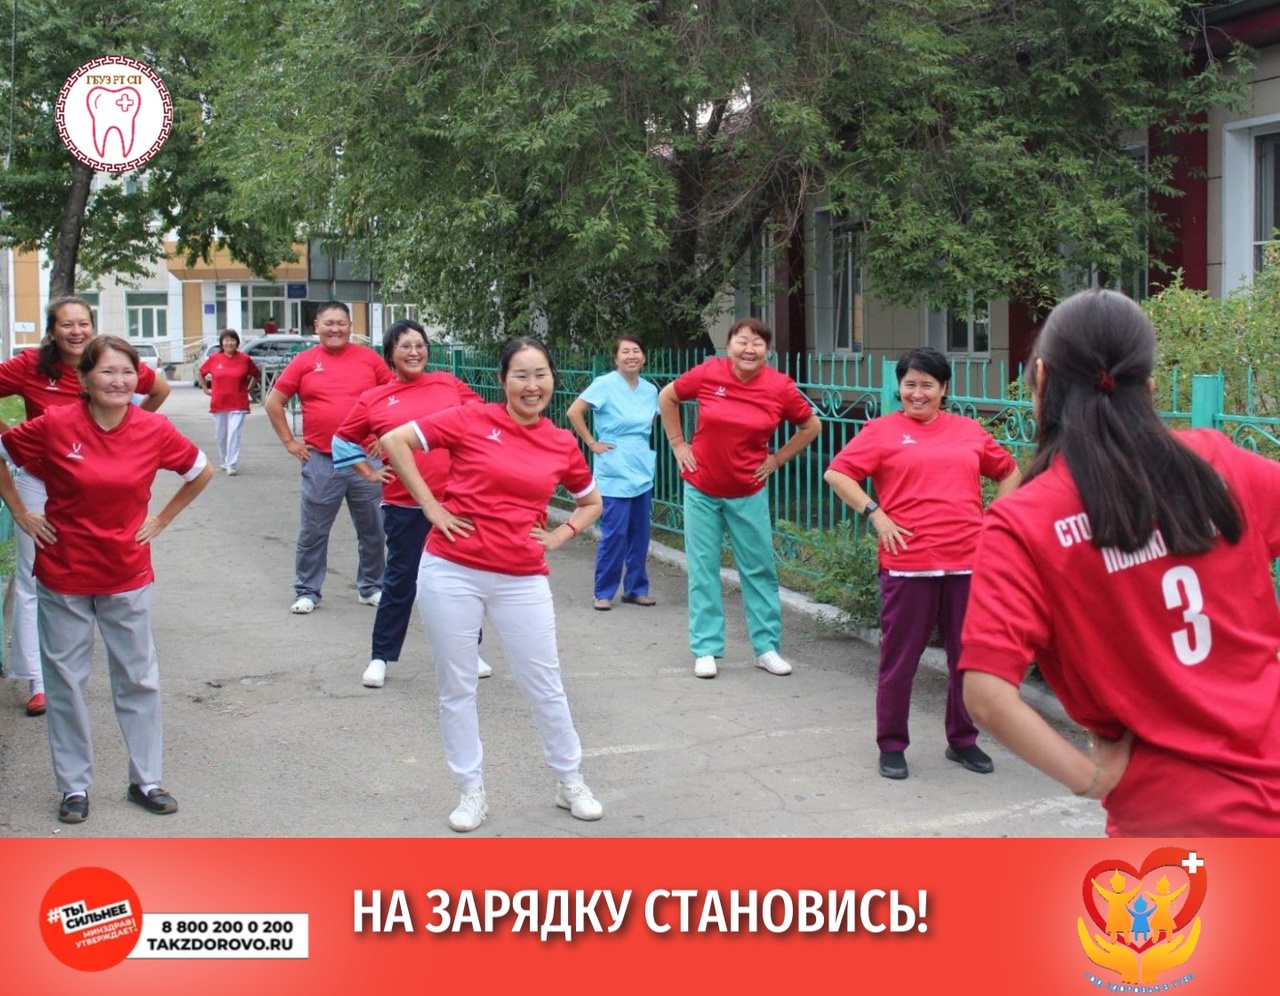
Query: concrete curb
x=1040 y=699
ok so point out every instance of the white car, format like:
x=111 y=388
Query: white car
x=147 y=354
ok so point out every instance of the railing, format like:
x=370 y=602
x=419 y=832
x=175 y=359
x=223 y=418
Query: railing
x=846 y=391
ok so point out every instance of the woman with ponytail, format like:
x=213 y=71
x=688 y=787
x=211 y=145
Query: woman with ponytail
x=1134 y=568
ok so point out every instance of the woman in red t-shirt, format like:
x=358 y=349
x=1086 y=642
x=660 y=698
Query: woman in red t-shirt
x=1134 y=567
x=226 y=377
x=486 y=556
x=45 y=378
x=98 y=460
x=927 y=466
x=742 y=402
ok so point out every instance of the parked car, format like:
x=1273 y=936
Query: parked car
x=200 y=357
x=147 y=354
x=272 y=354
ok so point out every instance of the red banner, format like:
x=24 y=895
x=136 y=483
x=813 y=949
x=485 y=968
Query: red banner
x=245 y=917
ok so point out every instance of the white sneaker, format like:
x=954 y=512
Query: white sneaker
x=303 y=606
x=773 y=663
x=705 y=667
x=375 y=675
x=483 y=670
x=375 y=599
x=577 y=798
x=231 y=472
x=471 y=811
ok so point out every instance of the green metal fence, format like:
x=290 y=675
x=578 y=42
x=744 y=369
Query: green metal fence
x=846 y=391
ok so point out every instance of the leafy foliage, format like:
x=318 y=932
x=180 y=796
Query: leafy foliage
x=1197 y=333
x=179 y=191
x=580 y=166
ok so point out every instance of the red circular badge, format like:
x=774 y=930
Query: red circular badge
x=90 y=919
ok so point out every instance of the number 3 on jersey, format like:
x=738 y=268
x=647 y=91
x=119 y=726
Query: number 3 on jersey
x=1182 y=591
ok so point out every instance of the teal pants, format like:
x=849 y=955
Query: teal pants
x=706 y=519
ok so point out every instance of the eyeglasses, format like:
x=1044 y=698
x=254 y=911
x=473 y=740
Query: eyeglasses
x=411 y=347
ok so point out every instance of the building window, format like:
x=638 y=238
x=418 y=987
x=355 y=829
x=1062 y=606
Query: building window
x=147 y=315
x=961 y=331
x=1266 y=201
x=760 y=279
x=839 y=308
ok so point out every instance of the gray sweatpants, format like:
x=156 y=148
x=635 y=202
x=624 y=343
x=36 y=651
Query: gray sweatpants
x=323 y=490
x=66 y=624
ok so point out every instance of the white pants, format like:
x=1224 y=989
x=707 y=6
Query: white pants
x=24 y=651
x=453 y=601
x=227 y=427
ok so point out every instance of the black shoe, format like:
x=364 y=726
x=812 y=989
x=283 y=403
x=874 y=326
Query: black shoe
x=156 y=801
x=972 y=757
x=893 y=764
x=74 y=808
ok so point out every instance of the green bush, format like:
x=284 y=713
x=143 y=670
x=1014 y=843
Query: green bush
x=843 y=570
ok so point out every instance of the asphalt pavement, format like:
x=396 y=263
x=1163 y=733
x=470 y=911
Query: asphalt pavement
x=269 y=732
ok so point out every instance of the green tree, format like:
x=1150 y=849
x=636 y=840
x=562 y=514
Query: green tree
x=580 y=166
x=48 y=199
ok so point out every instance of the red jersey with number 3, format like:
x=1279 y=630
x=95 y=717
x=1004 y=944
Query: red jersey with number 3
x=502 y=474
x=736 y=421
x=1182 y=651
x=99 y=482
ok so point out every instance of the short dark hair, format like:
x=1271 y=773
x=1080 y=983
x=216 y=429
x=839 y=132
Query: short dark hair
x=1098 y=351
x=229 y=334
x=525 y=342
x=927 y=360
x=394 y=333
x=331 y=306
x=50 y=358
x=753 y=325
x=627 y=337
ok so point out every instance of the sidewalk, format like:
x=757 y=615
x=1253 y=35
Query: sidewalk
x=270 y=733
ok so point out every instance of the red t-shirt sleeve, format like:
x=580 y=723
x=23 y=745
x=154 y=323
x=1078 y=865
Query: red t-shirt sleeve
x=177 y=452
x=860 y=457
x=355 y=427
x=15 y=373
x=204 y=367
x=442 y=429
x=796 y=408
x=466 y=396
x=26 y=442
x=995 y=463
x=688 y=383
x=1007 y=619
x=1259 y=478
x=290 y=378
x=381 y=372
x=146 y=379
x=577 y=479
x=251 y=369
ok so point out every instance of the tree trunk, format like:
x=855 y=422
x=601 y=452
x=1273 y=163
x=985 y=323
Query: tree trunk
x=62 y=275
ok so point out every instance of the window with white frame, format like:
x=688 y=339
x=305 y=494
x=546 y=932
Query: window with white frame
x=146 y=315
x=839 y=319
x=760 y=279
x=962 y=331
x=1267 y=195
x=91 y=299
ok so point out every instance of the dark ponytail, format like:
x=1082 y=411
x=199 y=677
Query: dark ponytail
x=1096 y=411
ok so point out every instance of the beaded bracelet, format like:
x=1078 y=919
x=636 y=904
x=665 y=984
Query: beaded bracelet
x=571 y=529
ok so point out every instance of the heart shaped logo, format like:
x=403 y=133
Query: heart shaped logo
x=1135 y=906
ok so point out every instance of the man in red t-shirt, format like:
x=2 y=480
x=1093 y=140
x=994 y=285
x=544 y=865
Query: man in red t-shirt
x=269 y=327
x=328 y=379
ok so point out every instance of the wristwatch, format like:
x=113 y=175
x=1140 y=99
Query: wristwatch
x=868 y=508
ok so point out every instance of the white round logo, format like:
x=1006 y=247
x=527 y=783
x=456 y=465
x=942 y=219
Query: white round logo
x=114 y=114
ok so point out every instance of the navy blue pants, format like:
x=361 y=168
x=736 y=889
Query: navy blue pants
x=624 y=546
x=406 y=528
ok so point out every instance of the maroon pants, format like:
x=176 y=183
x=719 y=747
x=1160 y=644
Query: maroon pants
x=909 y=608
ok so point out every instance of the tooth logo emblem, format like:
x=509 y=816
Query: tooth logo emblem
x=114 y=114
x=114 y=110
